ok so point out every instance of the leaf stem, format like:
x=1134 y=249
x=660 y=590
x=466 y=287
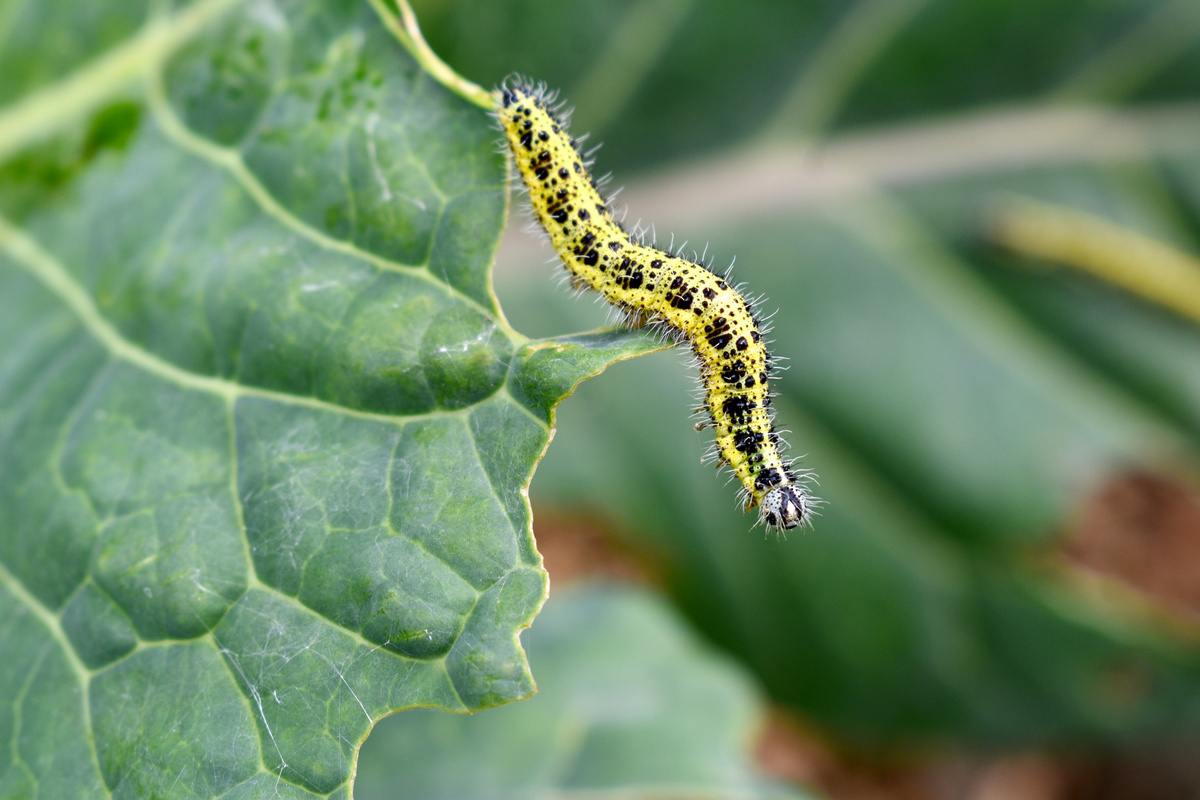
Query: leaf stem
x=406 y=29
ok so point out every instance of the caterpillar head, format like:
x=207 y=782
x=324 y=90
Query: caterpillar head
x=786 y=507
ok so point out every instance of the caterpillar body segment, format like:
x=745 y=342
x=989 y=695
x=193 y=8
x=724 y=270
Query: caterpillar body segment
x=656 y=287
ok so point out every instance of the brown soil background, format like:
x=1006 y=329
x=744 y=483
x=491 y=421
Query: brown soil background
x=1139 y=535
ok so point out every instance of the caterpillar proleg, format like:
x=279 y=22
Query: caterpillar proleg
x=651 y=286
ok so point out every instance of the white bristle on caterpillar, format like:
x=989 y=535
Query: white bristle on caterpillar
x=681 y=297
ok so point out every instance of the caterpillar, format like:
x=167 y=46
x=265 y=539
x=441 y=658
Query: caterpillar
x=681 y=297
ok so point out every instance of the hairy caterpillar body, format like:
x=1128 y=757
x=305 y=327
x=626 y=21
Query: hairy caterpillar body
x=655 y=287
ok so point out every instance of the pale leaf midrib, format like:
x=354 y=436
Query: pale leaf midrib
x=31 y=257
x=231 y=162
x=53 y=107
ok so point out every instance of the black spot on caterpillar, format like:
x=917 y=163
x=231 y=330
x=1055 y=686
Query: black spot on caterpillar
x=689 y=302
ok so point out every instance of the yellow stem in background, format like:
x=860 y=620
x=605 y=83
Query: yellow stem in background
x=1136 y=263
x=408 y=32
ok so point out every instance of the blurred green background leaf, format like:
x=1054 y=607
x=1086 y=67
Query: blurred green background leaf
x=248 y=333
x=629 y=705
x=960 y=411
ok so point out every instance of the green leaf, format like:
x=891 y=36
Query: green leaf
x=266 y=434
x=630 y=704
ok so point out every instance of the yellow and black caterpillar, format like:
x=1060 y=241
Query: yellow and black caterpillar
x=655 y=287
